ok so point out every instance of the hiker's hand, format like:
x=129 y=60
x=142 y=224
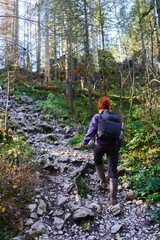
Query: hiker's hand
x=81 y=145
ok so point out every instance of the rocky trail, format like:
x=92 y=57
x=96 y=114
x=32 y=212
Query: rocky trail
x=58 y=210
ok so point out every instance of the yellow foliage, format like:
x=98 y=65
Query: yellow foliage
x=2 y=209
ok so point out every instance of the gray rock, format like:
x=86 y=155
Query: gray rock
x=121 y=170
x=72 y=206
x=139 y=202
x=58 y=213
x=91 y=238
x=51 y=137
x=38 y=227
x=29 y=222
x=56 y=143
x=20 y=116
x=120 y=188
x=41 y=207
x=60 y=232
x=46 y=127
x=116 y=209
x=116 y=228
x=32 y=207
x=34 y=215
x=38 y=190
x=62 y=201
x=58 y=223
x=63 y=167
x=126 y=184
x=154 y=238
x=51 y=178
x=67 y=215
x=95 y=206
x=44 y=237
x=17 y=238
x=48 y=166
x=82 y=213
x=64 y=159
x=66 y=129
x=26 y=99
x=38 y=196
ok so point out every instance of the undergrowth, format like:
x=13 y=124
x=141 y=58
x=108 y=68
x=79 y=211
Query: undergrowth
x=17 y=179
x=141 y=157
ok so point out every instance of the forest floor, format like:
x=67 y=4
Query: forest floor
x=57 y=211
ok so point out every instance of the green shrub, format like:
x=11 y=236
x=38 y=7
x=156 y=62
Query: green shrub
x=141 y=156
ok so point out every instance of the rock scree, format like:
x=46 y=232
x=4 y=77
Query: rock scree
x=60 y=214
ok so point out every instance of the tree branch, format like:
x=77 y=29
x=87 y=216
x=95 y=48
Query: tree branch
x=12 y=16
x=146 y=13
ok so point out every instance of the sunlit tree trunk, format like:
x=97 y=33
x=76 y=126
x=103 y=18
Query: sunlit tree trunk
x=158 y=11
x=6 y=41
x=16 y=39
x=24 y=45
x=30 y=35
x=28 y=45
x=101 y=20
x=39 y=41
x=55 y=48
x=94 y=37
x=157 y=38
x=47 y=49
x=96 y=73
x=68 y=57
x=87 y=59
x=141 y=34
x=13 y=31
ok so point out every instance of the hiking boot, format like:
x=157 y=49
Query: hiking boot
x=113 y=184
x=101 y=174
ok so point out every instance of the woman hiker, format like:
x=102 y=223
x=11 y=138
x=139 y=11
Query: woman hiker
x=102 y=147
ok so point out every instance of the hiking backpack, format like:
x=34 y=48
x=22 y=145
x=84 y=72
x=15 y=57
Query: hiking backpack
x=109 y=126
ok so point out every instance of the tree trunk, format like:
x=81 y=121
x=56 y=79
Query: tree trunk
x=142 y=35
x=101 y=19
x=30 y=35
x=6 y=42
x=68 y=56
x=55 y=49
x=39 y=41
x=94 y=37
x=87 y=60
x=47 y=49
x=28 y=49
x=158 y=11
x=24 y=45
x=96 y=73
x=157 y=40
x=16 y=39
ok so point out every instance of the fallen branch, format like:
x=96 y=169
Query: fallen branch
x=44 y=87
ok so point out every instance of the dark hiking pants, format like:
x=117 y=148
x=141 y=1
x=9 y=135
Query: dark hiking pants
x=112 y=157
